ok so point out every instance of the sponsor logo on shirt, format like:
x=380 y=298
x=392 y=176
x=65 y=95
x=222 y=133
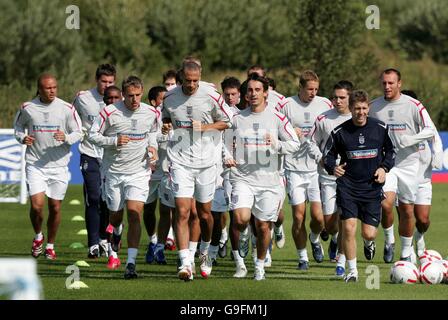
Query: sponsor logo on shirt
x=45 y=128
x=306 y=130
x=184 y=124
x=397 y=127
x=362 y=154
x=135 y=136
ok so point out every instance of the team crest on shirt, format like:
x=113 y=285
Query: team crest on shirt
x=361 y=140
x=189 y=112
x=133 y=124
x=234 y=198
x=256 y=126
x=46 y=116
x=307 y=116
x=390 y=113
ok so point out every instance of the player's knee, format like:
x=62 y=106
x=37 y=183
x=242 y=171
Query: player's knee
x=423 y=224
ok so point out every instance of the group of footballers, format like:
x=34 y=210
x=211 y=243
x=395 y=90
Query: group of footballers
x=201 y=154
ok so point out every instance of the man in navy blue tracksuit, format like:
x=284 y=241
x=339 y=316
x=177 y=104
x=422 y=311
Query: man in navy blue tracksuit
x=366 y=154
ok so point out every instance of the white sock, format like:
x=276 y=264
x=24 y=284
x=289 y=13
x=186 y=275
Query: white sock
x=192 y=247
x=119 y=230
x=303 y=255
x=418 y=235
x=334 y=237
x=352 y=266
x=49 y=246
x=314 y=238
x=259 y=264
x=389 y=236
x=184 y=256
x=213 y=252
x=237 y=258
x=224 y=235
x=406 y=243
x=341 y=260
x=153 y=238
x=203 y=247
x=367 y=242
x=39 y=236
x=171 y=233
x=132 y=255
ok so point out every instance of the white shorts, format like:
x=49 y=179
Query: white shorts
x=328 y=196
x=52 y=181
x=302 y=186
x=153 y=193
x=263 y=202
x=193 y=183
x=120 y=188
x=165 y=193
x=404 y=182
x=227 y=189
x=220 y=202
x=424 y=194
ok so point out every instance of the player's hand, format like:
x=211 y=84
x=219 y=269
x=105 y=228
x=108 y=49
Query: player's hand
x=339 y=171
x=380 y=175
x=197 y=125
x=166 y=128
x=122 y=140
x=29 y=140
x=152 y=158
x=437 y=160
x=230 y=163
x=271 y=141
x=299 y=132
x=59 y=136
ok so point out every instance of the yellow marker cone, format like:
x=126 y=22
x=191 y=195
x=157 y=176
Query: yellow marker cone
x=76 y=245
x=82 y=232
x=77 y=285
x=78 y=218
x=75 y=202
x=82 y=263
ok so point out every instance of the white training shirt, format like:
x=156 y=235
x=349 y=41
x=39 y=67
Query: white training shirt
x=140 y=125
x=427 y=155
x=42 y=121
x=409 y=124
x=88 y=104
x=257 y=161
x=303 y=115
x=274 y=98
x=324 y=124
x=189 y=148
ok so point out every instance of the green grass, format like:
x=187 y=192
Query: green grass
x=283 y=281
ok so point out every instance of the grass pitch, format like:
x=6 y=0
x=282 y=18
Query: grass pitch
x=283 y=280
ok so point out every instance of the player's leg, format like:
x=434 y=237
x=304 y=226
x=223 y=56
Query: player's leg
x=90 y=169
x=149 y=218
x=316 y=216
x=263 y=239
x=422 y=209
x=331 y=219
x=224 y=238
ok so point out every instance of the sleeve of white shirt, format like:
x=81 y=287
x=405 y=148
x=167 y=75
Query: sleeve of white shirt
x=153 y=134
x=314 y=142
x=436 y=150
x=20 y=125
x=428 y=131
x=73 y=128
x=96 y=132
x=221 y=111
x=289 y=142
x=228 y=139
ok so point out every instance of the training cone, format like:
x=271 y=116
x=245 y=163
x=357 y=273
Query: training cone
x=78 y=218
x=75 y=202
x=82 y=263
x=77 y=285
x=76 y=245
x=82 y=232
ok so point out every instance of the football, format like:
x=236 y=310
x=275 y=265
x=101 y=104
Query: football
x=444 y=265
x=429 y=255
x=431 y=272
x=404 y=272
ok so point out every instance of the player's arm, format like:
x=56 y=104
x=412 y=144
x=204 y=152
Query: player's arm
x=96 y=132
x=389 y=152
x=74 y=131
x=436 y=150
x=221 y=114
x=424 y=120
x=314 y=142
x=229 y=148
x=330 y=155
x=287 y=141
x=19 y=129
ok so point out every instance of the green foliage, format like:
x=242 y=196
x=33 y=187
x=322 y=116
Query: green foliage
x=422 y=29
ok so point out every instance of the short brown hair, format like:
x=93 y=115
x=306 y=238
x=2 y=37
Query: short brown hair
x=307 y=75
x=358 y=96
x=392 y=70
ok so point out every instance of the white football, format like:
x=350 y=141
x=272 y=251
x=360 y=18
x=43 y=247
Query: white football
x=404 y=272
x=431 y=272
x=429 y=255
x=444 y=265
